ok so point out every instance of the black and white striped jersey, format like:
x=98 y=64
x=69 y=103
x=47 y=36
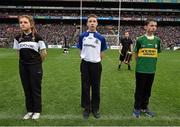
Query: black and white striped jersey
x=29 y=48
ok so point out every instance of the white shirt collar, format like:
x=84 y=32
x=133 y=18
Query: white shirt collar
x=149 y=37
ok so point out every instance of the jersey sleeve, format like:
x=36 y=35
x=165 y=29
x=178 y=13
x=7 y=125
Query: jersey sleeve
x=159 y=46
x=15 y=45
x=41 y=43
x=137 y=46
x=103 y=44
x=79 y=44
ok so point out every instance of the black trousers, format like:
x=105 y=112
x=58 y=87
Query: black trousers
x=31 y=77
x=143 y=90
x=122 y=55
x=90 y=77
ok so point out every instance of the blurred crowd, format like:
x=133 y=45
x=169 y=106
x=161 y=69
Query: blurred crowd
x=52 y=34
x=165 y=16
x=56 y=33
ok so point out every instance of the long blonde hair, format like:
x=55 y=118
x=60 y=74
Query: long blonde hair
x=32 y=23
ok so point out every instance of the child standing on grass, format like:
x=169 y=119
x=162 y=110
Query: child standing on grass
x=146 y=53
x=92 y=45
x=32 y=52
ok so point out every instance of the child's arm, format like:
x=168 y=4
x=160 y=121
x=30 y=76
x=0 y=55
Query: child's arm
x=43 y=54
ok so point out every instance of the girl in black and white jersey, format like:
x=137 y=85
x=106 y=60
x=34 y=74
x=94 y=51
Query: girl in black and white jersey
x=32 y=52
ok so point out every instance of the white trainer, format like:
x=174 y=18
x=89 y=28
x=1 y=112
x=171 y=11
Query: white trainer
x=28 y=116
x=35 y=116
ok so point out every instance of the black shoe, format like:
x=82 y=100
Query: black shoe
x=96 y=114
x=129 y=67
x=86 y=113
x=119 y=67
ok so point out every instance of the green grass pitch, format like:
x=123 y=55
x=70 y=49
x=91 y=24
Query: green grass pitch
x=61 y=91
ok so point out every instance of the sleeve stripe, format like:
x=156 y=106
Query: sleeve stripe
x=16 y=45
x=41 y=45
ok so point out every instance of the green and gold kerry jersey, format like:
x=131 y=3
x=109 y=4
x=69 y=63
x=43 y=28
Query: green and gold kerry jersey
x=147 y=51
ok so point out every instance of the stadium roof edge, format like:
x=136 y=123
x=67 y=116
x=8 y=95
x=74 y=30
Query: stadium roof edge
x=139 y=1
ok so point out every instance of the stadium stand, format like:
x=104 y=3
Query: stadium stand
x=52 y=22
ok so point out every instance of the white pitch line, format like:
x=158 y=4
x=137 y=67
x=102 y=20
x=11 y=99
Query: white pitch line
x=78 y=117
x=106 y=117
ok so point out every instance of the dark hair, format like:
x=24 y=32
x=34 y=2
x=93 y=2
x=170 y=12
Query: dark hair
x=149 y=20
x=92 y=15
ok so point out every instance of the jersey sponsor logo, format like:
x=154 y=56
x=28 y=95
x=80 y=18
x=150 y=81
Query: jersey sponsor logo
x=150 y=44
x=148 y=52
x=89 y=45
x=29 y=45
x=26 y=46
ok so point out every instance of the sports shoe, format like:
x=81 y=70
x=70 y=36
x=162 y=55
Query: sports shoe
x=86 y=113
x=28 y=116
x=36 y=116
x=96 y=114
x=148 y=112
x=136 y=113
